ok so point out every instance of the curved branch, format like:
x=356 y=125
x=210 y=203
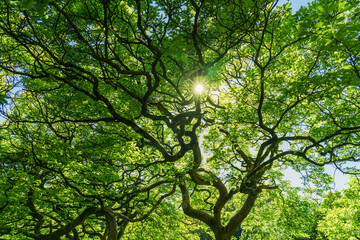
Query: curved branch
x=239 y=217
x=122 y=216
x=191 y=212
x=67 y=228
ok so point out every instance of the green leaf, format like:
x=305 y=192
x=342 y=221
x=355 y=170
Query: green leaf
x=40 y=7
x=341 y=6
x=3 y=98
x=320 y=9
x=319 y=24
x=303 y=24
x=328 y=42
x=28 y=4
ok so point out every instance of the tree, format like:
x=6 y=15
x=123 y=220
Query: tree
x=341 y=213
x=108 y=125
x=282 y=214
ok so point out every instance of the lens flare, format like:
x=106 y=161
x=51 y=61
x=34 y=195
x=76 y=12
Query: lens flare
x=198 y=88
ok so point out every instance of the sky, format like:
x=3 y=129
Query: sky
x=340 y=179
x=295 y=4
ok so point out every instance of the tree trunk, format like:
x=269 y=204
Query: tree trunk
x=111 y=225
x=222 y=236
x=225 y=233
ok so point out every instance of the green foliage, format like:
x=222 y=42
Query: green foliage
x=341 y=213
x=282 y=214
x=169 y=222
x=106 y=135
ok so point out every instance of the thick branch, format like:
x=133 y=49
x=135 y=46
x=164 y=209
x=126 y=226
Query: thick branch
x=194 y=213
x=239 y=217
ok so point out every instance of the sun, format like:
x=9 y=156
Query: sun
x=198 y=88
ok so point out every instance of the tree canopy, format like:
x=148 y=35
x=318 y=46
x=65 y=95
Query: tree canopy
x=341 y=213
x=117 y=110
